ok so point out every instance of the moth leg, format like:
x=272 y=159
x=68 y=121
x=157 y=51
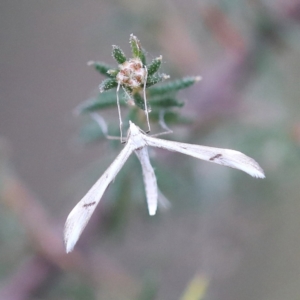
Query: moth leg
x=119 y=112
x=145 y=101
x=163 y=124
x=103 y=126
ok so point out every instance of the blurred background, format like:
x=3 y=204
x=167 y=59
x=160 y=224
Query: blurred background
x=226 y=235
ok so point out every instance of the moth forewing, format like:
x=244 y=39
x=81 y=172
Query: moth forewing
x=225 y=157
x=82 y=212
x=149 y=179
x=138 y=141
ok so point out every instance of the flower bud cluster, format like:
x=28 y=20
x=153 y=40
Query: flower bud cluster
x=132 y=74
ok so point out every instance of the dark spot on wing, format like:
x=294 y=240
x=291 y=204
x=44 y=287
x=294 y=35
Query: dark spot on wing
x=89 y=204
x=214 y=157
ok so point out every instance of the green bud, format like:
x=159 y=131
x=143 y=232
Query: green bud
x=118 y=54
x=101 y=67
x=154 y=66
x=156 y=78
x=135 y=46
x=112 y=72
x=107 y=84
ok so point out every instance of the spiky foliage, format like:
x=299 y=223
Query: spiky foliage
x=133 y=75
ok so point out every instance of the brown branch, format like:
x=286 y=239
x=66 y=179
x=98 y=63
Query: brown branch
x=222 y=29
x=50 y=257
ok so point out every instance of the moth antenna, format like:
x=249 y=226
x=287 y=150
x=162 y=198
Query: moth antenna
x=145 y=100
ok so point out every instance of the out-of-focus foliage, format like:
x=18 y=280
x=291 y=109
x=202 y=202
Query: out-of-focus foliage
x=240 y=233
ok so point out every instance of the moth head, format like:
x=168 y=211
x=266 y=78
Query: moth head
x=133 y=128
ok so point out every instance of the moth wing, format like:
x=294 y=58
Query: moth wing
x=149 y=179
x=225 y=157
x=82 y=212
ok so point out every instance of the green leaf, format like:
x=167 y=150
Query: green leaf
x=103 y=68
x=166 y=102
x=143 y=56
x=107 y=84
x=102 y=101
x=90 y=133
x=151 y=80
x=113 y=73
x=174 y=85
x=170 y=117
x=118 y=54
x=154 y=66
x=136 y=48
x=140 y=102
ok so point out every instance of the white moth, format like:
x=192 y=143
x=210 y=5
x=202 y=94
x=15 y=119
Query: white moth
x=138 y=141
